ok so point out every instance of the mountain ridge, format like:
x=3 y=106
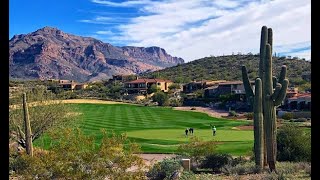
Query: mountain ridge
x=49 y=53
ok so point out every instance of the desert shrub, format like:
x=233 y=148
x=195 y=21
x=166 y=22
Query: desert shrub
x=174 y=102
x=308 y=170
x=301 y=120
x=153 y=89
x=274 y=176
x=293 y=144
x=302 y=114
x=188 y=175
x=240 y=169
x=238 y=160
x=197 y=148
x=293 y=167
x=216 y=161
x=233 y=114
x=67 y=95
x=174 y=86
x=164 y=169
x=249 y=115
x=76 y=156
x=160 y=97
x=287 y=116
x=16 y=162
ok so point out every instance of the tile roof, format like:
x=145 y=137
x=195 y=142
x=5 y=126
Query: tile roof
x=148 y=81
x=300 y=96
x=233 y=82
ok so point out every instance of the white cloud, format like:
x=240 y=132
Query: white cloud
x=105 y=32
x=301 y=54
x=106 y=20
x=121 y=4
x=197 y=28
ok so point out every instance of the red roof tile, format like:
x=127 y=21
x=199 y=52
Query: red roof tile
x=148 y=81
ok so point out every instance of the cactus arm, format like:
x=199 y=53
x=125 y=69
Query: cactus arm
x=263 y=43
x=258 y=125
x=270 y=39
x=282 y=93
x=246 y=82
x=276 y=92
x=275 y=81
x=283 y=73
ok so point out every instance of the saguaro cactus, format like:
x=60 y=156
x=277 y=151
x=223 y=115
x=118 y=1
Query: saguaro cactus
x=28 y=136
x=268 y=95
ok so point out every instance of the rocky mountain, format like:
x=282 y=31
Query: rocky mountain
x=49 y=53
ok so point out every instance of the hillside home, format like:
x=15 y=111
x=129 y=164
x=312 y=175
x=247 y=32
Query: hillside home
x=300 y=101
x=123 y=78
x=141 y=85
x=197 y=85
x=232 y=87
x=72 y=85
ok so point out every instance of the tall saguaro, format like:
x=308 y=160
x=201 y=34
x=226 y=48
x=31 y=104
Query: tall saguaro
x=28 y=134
x=268 y=95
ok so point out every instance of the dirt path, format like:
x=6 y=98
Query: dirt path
x=91 y=101
x=71 y=101
x=210 y=111
x=151 y=159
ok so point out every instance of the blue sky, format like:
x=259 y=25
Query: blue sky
x=190 y=29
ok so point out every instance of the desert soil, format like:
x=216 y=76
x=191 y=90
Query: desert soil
x=91 y=101
x=210 y=111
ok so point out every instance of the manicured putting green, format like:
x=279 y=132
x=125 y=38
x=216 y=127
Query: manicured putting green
x=161 y=130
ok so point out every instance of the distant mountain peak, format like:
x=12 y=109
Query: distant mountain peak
x=51 y=53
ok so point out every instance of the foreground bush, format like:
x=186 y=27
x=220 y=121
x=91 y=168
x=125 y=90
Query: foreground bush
x=164 y=169
x=287 y=116
x=293 y=144
x=197 y=148
x=76 y=156
x=216 y=161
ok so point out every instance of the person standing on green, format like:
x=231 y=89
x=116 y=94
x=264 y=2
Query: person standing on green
x=214 y=129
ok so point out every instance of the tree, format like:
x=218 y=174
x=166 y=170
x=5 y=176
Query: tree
x=153 y=89
x=160 y=97
x=174 y=86
x=44 y=112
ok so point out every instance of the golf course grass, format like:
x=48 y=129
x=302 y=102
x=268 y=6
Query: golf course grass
x=160 y=129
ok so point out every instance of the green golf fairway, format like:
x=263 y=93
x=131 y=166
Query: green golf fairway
x=159 y=129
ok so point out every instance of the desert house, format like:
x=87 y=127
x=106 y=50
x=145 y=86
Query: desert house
x=72 y=85
x=123 y=78
x=142 y=85
x=301 y=101
x=197 y=85
x=227 y=87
